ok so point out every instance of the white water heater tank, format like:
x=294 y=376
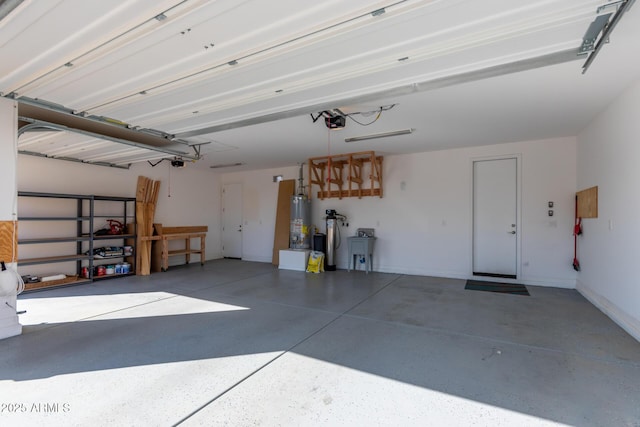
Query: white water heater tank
x=300 y=231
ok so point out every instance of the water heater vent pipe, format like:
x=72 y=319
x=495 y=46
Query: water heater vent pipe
x=301 y=181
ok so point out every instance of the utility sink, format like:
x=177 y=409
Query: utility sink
x=361 y=244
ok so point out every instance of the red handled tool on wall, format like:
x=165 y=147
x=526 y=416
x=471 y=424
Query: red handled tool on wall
x=577 y=230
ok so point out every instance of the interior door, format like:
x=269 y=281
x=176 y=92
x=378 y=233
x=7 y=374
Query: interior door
x=495 y=227
x=232 y=220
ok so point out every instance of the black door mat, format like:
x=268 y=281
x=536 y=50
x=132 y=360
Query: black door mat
x=503 y=288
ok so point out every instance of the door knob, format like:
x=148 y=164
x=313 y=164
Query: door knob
x=511 y=232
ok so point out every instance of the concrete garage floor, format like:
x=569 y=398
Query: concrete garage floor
x=241 y=343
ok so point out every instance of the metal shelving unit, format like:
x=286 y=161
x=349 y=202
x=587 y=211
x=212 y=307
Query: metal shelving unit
x=84 y=237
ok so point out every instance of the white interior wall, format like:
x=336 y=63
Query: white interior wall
x=608 y=153
x=9 y=325
x=187 y=196
x=423 y=222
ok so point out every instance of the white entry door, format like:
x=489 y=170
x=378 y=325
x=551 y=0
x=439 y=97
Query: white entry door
x=495 y=213
x=232 y=220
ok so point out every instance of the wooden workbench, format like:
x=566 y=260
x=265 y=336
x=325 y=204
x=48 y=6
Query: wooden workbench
x=160 y=250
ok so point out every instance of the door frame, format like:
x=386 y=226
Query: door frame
x=222 y=225
x=518 y=158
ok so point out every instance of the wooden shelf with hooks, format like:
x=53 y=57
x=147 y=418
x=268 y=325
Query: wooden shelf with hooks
x=345 y=175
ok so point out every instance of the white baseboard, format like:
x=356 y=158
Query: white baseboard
x=256 y=258
x=416 y=271
x=548 y=282
x=624 y=320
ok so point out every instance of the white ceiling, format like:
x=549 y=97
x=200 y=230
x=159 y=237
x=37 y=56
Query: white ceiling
x=298 y=57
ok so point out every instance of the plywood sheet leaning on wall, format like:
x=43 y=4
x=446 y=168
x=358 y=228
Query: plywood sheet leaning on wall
x=286 y=189
x=146 y=199
x=588 y=203
x=8 y=241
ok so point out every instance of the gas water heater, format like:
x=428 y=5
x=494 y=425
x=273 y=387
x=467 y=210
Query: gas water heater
x=300 y=228
x=299 y=233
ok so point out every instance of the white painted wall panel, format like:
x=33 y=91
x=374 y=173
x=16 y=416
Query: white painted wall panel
x=608 y=153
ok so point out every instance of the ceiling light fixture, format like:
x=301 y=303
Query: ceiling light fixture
x=226 y=165
x=380 y=135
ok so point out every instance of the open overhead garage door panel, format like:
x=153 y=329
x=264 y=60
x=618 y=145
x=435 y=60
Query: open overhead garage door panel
x=51 y=131
x=172 y=73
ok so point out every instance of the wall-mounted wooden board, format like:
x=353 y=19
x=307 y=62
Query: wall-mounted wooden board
x=588 y=203
x=8 y=241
